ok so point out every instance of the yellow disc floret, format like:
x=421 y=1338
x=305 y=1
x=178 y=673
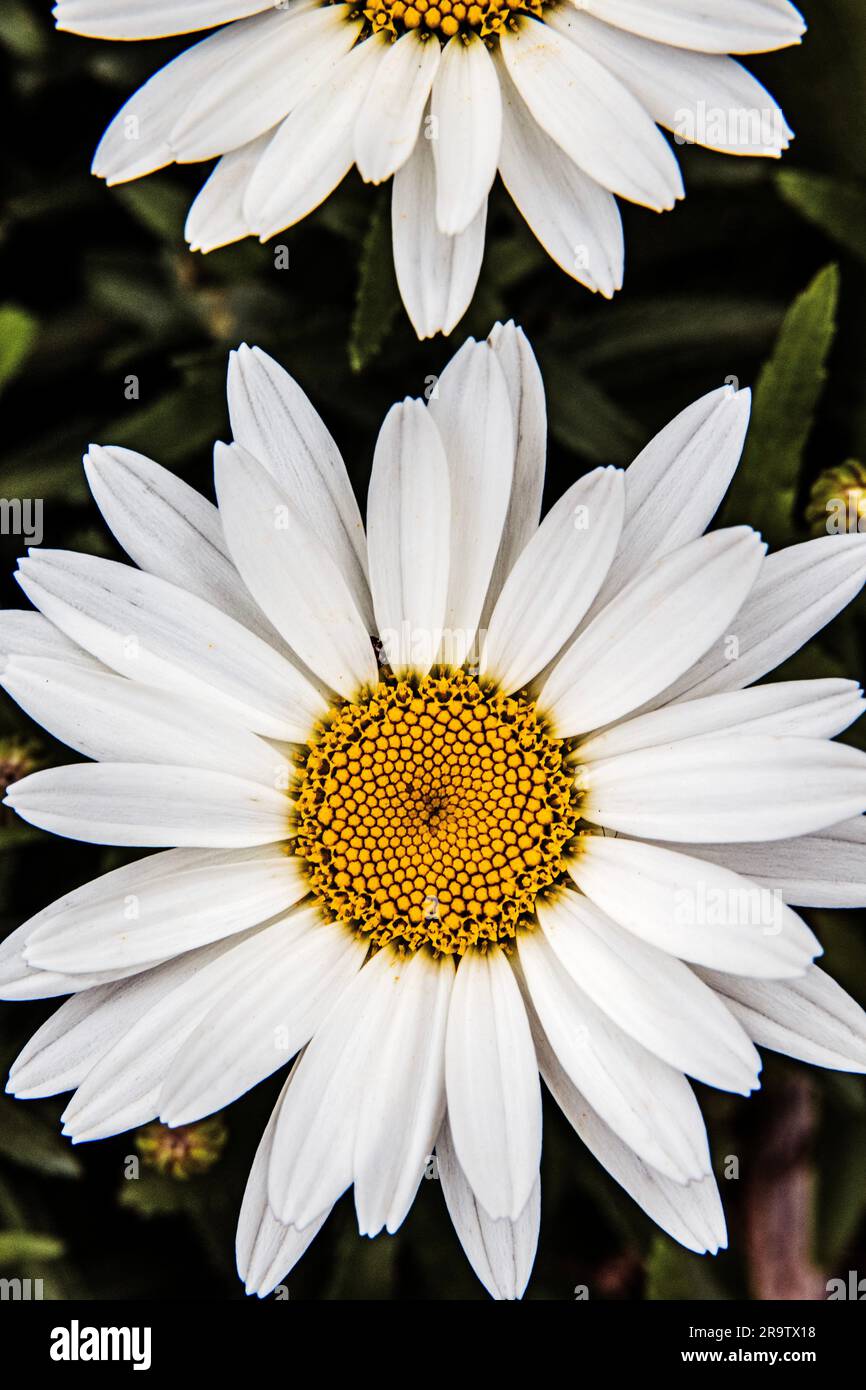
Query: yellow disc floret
x=446 y=18
x=432 y=812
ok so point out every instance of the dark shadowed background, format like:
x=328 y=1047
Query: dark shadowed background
x=96 y=286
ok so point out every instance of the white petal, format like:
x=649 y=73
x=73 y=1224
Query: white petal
x=273 y=419
x=20 y=981
x=796 y=594
x=113 y=719
x=555 y=579
x=811 y=1018
x=591 y=116
x=290 y=574
x=698 y=911
x=148 y=19
x=122 y=1089
x=266 y=1250
x=467 y=123
x=575 y=219
x=216 y=217
x=706 y=98
x=387 y=127
x=649 y=1104
x=529 y=418
x=436 y=274
x=715 y=26
x=823 y=870
x=313 y=149
x=472 y=411
x=408 y=525
x=156 y=633
x=278 y=60
x=663 y=620
x=727 y=789
x=24 y=633
x=404 y=1095
x=791 y=709
x=501 y=1252
x=649 y=994
x=162 y=906
x=146 y=805
x=689 y=1212
x=674 y=487
x=260 y=1028
x=494 y=1099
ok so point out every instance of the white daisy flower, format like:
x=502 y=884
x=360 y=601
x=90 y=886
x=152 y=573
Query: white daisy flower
x=538 y=827
x=563 y=97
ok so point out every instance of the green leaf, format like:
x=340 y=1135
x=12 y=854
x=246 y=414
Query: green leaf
x=18 y=331
x=836 y=207
x=28 y=1139
x=377 y=298
x=585 y=419
x=675 y=1273
x=16 y=1247
x=159 y=206
x=786 y=398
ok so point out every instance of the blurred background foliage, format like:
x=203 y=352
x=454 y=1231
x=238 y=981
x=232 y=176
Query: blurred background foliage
x=760 y=276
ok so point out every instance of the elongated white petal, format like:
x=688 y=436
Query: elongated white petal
x=149 y=19
x=216 y=217
x=664 y=619
x=247 y=1037
x=727 y=789
x=674 y=487
x=158 y=634
x=797 y=593
x=313 y=149
x=436 y=274
x=168 y=529
x=162 y=906
x=591 y=116
x=408 y=526
x=555 y=579
x=25 y=633
x=467 y=114
x=811 y=1018
x=698 y=911
x=790 y=709
x=823 y=870
x=575 y=219
x=274 y=420
x=20 y=981
x=404 y=1096
x=689 y=1212
x=494 y=1099
x=649 y=1104
x=472 y=412
x=277 y=60
x=122 y=1089
x=85 y=1029
x=529 y=419
x=142 y=804
x=389 y=120
x=501 y=1252
x=650 y=995
x=715 y=26
x=266 y=1250
x=277 y=555
x=706 y=98
x=314 y=1143
x=112 y=719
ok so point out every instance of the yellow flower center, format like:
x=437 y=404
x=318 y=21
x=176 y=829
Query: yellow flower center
x=432 y=812
x=447 y=17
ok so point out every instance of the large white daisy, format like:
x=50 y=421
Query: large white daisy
x=563 y=97
x=464 y=800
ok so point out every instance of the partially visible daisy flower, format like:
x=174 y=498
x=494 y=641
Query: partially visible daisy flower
x=447 y=806
x=563 y=97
